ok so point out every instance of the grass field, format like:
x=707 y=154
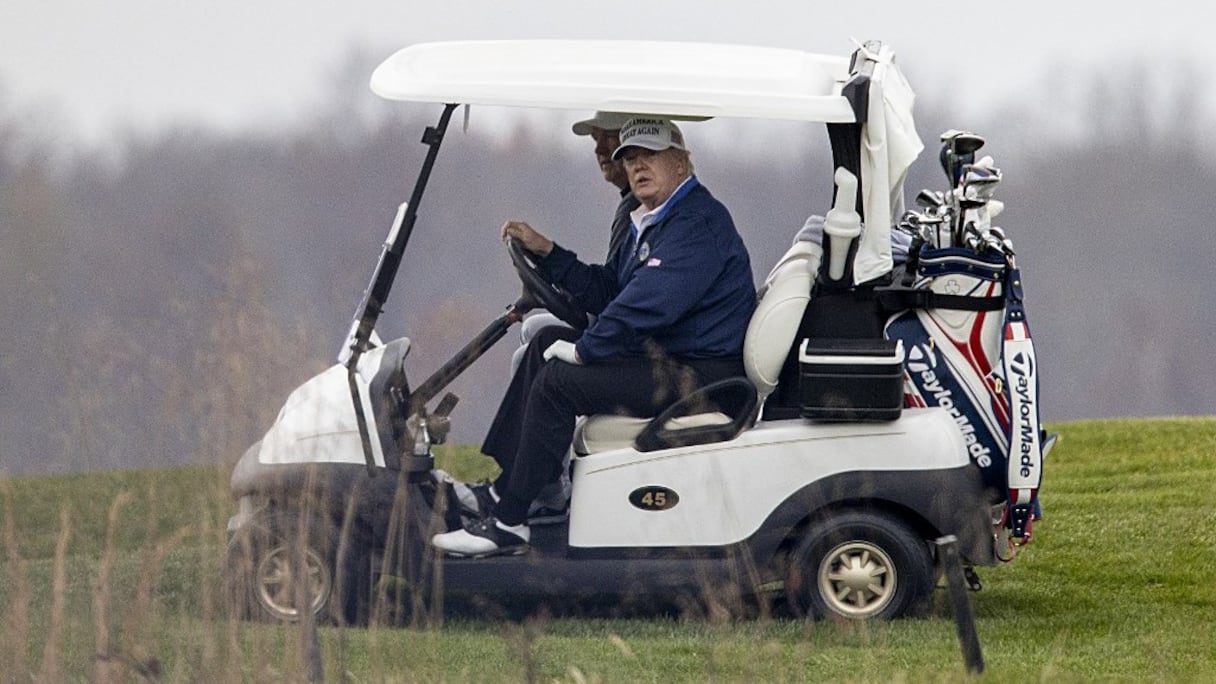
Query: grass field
x=117 y=577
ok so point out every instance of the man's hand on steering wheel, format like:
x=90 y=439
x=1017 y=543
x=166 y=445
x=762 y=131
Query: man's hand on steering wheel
x=518 y=235
x=528 y=237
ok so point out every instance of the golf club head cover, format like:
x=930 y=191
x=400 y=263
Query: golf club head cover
x=842 y=225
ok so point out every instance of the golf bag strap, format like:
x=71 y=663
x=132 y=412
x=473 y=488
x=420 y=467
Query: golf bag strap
x=1025 y=445
x=918 y=243
x=899 y=299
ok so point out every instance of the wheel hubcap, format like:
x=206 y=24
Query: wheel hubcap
x=276 y=582
x=857 y=579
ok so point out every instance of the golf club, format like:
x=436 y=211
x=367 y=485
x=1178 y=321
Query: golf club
x=958 y=148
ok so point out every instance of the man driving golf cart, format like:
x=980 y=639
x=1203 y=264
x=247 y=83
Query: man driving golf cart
x=813 y=482
x=671 y=308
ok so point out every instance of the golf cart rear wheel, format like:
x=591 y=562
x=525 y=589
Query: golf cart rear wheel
x=271 y=555
x=859 y=565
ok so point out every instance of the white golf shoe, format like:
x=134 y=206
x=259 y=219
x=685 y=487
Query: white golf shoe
x=485 y=537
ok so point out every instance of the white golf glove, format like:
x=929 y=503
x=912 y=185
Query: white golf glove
x=563 y=351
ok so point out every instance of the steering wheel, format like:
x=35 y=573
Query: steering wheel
x=552 y=297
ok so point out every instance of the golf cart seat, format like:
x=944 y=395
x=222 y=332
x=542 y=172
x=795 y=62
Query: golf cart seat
x=781 y=301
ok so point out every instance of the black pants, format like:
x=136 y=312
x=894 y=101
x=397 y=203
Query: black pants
x=535 y=422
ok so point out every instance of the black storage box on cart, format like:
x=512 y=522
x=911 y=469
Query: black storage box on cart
x=851 y=379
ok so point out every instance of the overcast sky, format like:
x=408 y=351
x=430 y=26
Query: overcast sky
x=85 y=68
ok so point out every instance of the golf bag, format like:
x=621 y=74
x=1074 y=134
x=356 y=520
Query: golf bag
x=969 y=351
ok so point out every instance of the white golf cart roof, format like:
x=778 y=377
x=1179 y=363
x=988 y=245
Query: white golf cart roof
x=681 y=80
x=674 y=79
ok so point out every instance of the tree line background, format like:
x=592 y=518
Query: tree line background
x=160 y=297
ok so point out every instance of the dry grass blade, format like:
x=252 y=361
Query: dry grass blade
x=52 y=659
x=104 y=669
x=17 y=624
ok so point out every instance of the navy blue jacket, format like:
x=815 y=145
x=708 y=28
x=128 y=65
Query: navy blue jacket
x=687 y=286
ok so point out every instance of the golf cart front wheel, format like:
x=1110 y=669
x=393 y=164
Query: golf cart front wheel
x=280 y=558
x=859 y=565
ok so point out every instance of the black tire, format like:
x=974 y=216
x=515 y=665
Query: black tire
x=261 y=567
x=859 y=565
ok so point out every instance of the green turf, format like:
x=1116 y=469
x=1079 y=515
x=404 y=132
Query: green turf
x=1118 y=585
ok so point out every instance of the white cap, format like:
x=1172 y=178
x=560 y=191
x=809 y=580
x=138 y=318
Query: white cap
x=608 y=121
x=651 y=133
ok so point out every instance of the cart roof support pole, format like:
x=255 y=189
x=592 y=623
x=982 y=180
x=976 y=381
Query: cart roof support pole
x=376 y=294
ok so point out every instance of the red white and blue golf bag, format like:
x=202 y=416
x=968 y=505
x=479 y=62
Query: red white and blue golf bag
x=969 y=350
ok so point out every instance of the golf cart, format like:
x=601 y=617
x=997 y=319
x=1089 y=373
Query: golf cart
x=817 y=486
